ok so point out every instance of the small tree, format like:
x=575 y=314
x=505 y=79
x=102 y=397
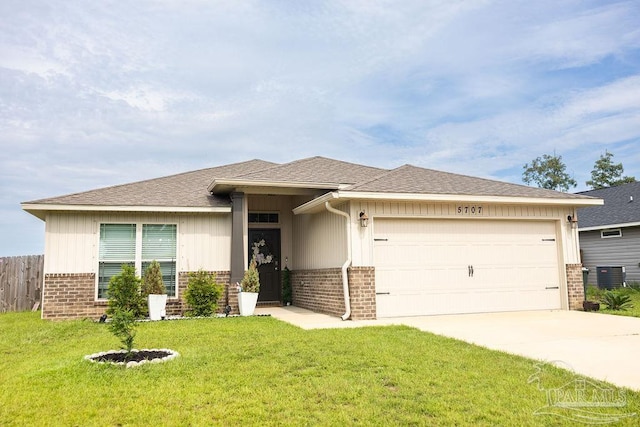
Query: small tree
x=125 y=305
x=152 y=282
x=548 y=172
x=251 y=280
x=607 y=174
x=124 y=293
x=202 y=294
x=123 y=326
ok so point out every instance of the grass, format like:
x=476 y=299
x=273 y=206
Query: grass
x=260 y=371
x=595 y=294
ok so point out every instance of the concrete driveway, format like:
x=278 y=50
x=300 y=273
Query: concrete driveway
x=600 y=346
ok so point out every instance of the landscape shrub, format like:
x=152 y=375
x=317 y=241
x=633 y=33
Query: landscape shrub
x=124 y=293
x=287 y=297
x=616 y=300
x=202 y=294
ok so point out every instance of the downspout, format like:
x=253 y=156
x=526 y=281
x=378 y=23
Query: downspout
x=347 y=263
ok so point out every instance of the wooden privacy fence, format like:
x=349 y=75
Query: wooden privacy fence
x=20 y=282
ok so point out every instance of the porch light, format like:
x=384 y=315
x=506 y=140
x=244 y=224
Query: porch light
x=572 y=221
x=364 y=219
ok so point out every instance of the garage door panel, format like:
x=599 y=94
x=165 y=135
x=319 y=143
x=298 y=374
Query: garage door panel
x=423 y=266
x=447 y=302
x=414 y=253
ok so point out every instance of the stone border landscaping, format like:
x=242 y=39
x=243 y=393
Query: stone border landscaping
x=136 y=358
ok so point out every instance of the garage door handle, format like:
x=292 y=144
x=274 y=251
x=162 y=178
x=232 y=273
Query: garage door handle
x=383 y=293
x=470 y=269
x=552 y=287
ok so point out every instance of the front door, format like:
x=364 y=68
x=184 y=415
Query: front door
x=264 y=245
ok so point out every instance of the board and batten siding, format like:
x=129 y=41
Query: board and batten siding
x=621 y=251
x=72 y=240
x=320 y=240
x=363 y=237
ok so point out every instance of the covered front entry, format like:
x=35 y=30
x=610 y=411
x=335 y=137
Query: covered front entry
x=446 y=266
x=264 y=244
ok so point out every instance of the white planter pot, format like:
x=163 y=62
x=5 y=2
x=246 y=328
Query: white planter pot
x=157 y=306
x=247 y=302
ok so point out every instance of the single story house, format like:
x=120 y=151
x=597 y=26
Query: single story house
x=360 y=242
x=610 y=234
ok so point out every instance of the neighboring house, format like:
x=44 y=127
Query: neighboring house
x=610 y=234
x=433 y=243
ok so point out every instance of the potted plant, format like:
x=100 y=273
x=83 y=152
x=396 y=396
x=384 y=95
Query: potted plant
x=153 y=288
x=249 y=289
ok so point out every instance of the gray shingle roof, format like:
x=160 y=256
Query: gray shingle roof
x=618 y=207
x=190 y=189
x=316 y=170
x=412 y=179
x=187 y=189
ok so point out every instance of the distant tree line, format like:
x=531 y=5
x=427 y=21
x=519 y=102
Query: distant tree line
x=549 y=172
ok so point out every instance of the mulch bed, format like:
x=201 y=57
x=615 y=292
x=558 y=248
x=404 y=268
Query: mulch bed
x=135 y=358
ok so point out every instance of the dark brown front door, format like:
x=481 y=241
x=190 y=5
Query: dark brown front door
x=264 y=244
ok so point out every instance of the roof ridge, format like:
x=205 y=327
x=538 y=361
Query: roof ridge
x=303 y=161
x=375 y=178
x=272 y=166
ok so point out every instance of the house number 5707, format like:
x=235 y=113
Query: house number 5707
x=469 y=210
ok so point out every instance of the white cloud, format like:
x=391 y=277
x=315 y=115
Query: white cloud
x=95 y=94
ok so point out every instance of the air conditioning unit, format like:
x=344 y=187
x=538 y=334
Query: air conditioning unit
x=611 y=277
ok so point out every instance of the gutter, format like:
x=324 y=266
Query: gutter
x=315 y=205
x=347 y=263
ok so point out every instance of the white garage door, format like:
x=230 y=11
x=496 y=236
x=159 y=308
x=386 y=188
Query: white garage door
x=464 y=266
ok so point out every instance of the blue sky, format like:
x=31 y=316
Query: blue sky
x=94 y=94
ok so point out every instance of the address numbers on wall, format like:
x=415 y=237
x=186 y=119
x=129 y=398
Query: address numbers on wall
x=469 y=210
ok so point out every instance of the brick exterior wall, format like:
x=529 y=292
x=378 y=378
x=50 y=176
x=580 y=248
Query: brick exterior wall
x=321 y=291
x=575 y=288
x=362 y=292
x=72 y=296
x=318 y=290
x=178 y=307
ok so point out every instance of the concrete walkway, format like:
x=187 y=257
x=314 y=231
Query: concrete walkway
x=600 y=346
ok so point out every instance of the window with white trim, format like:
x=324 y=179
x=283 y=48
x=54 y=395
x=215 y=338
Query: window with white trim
x=614 y=232
x=137 y=245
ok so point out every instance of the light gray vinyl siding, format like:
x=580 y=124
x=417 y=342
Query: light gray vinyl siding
x=612 y=252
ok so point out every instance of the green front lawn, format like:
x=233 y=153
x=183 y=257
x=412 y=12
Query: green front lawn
x=260 y=371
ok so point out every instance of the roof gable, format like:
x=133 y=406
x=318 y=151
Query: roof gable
x=621 y=206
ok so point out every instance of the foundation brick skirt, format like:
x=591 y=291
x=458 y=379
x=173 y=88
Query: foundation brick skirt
x=321 y=291
x=72 y=296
